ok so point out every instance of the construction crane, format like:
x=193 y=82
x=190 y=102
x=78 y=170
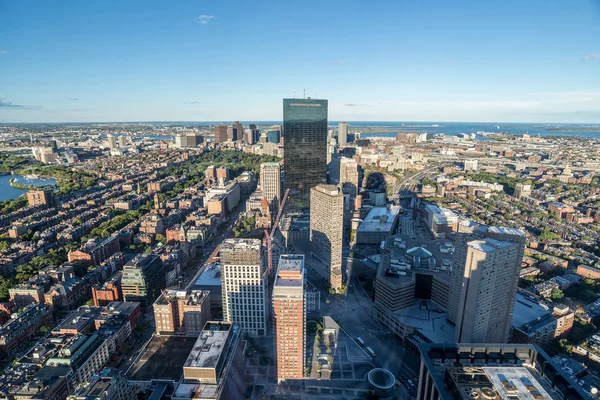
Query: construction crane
x=269 y=236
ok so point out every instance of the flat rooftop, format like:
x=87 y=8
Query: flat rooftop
x=515 y=382
x=210 y=346
x=196 y=391
x=290 y=271
x=505 y=231
x=489 y=245
x=163 y=358
x=210 y=277
x=527 y=309
x=501 y=371
x=441 y=250
x=331 y=190
x=429 y=319
x=240 y=244
x=379 y=219
x=80 y=319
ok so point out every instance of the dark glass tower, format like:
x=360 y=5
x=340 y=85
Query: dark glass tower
x=305 y=149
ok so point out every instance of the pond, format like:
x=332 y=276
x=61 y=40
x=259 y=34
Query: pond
x=8 y=192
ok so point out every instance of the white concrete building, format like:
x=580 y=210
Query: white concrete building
x=244 y=285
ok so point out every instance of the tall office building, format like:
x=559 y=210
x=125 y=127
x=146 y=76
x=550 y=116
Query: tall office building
x=289 y=316
x=255 y=132
x=122 y=141
x=270 y=183
x=248 y=136
x=112 y=141
x=220 y=133
x=326 y=232
x=342 y=134
x=235 y=132
x=344 y=170
x=244 y=285
x=305 y=148
x=466 y=232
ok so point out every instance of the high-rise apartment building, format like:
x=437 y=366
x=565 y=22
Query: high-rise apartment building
x=220 y=133
x=466 y=232
x=305 y=148
x=289 y=316
x=270 y=183
x=122 y=141
x=244 y=285
x=182 y=311
x=342 y=134
x=326 y=232
x=488 y=290
x=180 y=140
x=112 y=141
x=42 y=197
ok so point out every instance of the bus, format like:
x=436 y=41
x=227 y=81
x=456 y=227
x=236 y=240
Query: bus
x=371 y=352
x=360 y=341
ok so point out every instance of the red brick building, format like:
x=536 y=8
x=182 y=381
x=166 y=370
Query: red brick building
x=109 y=291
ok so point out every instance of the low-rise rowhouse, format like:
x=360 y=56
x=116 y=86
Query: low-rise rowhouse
x=588 y=272
x=23 y=326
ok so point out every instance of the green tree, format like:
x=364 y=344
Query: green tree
x=556 y=294
x=5 y=285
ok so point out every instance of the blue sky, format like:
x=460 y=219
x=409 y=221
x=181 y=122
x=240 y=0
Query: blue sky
x=402 y=60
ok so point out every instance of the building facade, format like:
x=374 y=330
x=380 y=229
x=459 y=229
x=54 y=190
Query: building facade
x=305 y=148
x=182 y=312
x=466 y=232
x=289 y=317
x=143 y=279
x=326 y=233
x=244 y=285
x=342 y=134
x=220 y=133
x=42 y=197
x=488 y=291
x=270 y=183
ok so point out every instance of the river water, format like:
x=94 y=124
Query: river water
x=8 y=192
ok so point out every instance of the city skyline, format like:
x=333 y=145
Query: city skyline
x=401 y=61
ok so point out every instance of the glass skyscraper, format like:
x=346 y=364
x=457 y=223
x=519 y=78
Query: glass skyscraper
x=305 y=149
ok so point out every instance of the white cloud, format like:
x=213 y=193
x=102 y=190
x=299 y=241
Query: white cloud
x=592 y=57
x=2 y=51
x=204 y=19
